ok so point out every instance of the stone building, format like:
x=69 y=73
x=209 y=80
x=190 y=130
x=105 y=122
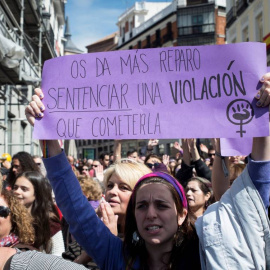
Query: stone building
x=249 y=21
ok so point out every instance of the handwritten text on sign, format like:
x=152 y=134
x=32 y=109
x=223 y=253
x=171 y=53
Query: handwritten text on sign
x=177 y=92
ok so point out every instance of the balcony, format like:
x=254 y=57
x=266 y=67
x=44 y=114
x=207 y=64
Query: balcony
x=241 y=5
x=196 y=30
x=230 y=17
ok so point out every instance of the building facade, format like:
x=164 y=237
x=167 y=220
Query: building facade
x=31 y=32
x=248 y=20
x=176 y=23
x=148 y=25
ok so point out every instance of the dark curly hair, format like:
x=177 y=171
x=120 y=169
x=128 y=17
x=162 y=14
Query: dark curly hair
x=43 y=209
x=27 y=163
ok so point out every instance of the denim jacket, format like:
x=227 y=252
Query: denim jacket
x=234 y=233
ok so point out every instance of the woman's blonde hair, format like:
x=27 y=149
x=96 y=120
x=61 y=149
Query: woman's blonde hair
x=21 y=220
x=90 y=188
x=129 y=171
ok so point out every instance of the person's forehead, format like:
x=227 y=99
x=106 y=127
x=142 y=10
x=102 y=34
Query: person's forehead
x=115 y=178
x=37 y=159
x=154 y=190
x=193 y=184
x=23 y=181
x=16 y=161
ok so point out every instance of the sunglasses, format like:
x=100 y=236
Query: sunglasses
x=151 y=165
x=85 y=169
x=210 y=155
x=4 y=211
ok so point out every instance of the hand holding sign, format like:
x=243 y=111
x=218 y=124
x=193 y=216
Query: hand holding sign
x=263 y=94
x=35 y=107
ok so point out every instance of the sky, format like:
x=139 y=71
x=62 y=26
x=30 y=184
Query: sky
x=91 y=20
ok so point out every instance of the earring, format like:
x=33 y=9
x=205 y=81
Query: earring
x=178 y=237
x=136 y=240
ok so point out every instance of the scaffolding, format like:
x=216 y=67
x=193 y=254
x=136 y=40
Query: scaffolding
x=25 y=24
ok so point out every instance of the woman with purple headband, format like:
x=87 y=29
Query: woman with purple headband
x=233 y=233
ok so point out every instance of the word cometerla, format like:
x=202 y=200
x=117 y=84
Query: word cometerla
x=107 y=126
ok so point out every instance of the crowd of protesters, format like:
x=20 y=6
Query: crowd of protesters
x=194 y=210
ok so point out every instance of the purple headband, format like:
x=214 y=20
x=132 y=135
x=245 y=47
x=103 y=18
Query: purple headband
x=171 y=180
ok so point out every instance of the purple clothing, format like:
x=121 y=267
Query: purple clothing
x=94 y=204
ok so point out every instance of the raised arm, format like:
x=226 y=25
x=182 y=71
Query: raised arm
x=201 y=168
x=85 y=226
x=117 y=150
x=220 y=172
x=259 y=163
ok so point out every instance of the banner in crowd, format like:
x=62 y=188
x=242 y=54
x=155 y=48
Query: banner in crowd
x=173 y=92
x=236 y=146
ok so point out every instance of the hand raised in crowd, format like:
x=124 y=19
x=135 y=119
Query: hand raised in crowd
x=99 y=172
x=108 y=217
x=166 y=160
x=204 y=148
x=35 y=108
x=177 y=146
x=263 y=95
x=152 y=143
x=186 y=151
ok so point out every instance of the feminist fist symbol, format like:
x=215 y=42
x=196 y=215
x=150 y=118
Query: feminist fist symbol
x=240 y=112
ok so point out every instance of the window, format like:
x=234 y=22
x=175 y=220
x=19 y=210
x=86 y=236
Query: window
x=197 y=19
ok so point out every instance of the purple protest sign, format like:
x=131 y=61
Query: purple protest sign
x=177 y=92
x=236 y=146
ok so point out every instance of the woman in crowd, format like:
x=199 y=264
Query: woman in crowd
x=21 y=162
x=91 y=190
x=33 y=191
x=154 y=243
x=16 y=228
x=199 y=195
x=119 y=179
x=154 y=162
